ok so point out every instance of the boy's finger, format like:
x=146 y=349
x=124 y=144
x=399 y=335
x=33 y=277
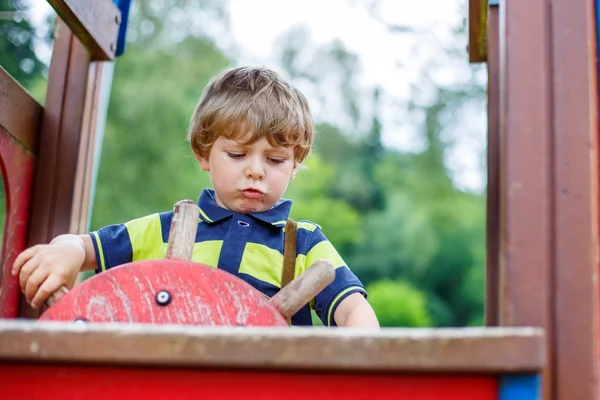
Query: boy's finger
x=50 y=285
x=21 y=259
x=26 y=270
x=32 y=286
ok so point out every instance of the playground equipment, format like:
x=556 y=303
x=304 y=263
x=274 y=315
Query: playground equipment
x=178 y=291
x=542 y=286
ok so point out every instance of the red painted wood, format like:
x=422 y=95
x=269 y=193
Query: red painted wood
x=101 y=383
x=17 y=165
x=200 y=295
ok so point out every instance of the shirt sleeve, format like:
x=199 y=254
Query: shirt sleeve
x=344 y=284
x=118 y=244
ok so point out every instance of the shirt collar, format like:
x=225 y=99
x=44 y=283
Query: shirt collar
x=210 y=211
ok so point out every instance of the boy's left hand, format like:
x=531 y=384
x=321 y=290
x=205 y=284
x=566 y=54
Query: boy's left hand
x=354 y=311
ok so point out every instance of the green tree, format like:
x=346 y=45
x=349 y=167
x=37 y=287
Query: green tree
x=398 y=304
x=17 y=37
x=147 y=164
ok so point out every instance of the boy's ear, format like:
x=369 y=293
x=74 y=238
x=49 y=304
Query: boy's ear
x=203 y=162
x=294 y=171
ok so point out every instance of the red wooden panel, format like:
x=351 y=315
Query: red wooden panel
x=17 y=166
x=200 y=295
x=102 y=383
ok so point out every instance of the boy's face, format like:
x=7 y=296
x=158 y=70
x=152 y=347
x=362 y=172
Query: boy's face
x=249 y=177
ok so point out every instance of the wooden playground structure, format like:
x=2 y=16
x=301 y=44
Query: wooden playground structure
x=541 y=338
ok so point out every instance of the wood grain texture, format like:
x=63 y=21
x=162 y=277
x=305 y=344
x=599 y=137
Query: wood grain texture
x=166 y=292
x=20 y=114
x=478 y=12
x=94 y=22
x=304 y=288
x=481 y=350
x=17 y=165
x=182 y=234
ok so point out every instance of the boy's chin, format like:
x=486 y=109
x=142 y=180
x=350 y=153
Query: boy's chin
x=246 y=206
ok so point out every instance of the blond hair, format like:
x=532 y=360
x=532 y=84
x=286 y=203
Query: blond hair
x=253 y=102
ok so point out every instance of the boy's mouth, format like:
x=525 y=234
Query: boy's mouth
x=252 y=193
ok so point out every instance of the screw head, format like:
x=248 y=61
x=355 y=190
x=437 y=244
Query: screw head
x=163 y=298
x=80 y=321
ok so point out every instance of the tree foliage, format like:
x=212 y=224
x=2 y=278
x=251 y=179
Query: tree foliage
x=17 y=53
x=399 y=219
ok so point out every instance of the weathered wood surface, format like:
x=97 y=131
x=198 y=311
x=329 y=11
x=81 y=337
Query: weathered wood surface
x=20 y=114
x=482 y=350
x=17 y=165
x=478 y=14
x=182 y=234
x=494 y=149
x=575 y=207
x=197 y=294
x=304 y=288
x=182 y=237
x=94 y=22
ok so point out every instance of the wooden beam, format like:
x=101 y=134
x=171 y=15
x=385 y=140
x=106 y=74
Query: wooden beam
x=20 y=114
x=18 y=165
x=94 y=22
x=492 y=317
x=62 y=177
x=575 y=157
x=483 y=350
x=83 y=175
x=526 y=209
x=478 y=14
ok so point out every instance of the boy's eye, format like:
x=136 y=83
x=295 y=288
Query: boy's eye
x=276 y=160
x=235 y=155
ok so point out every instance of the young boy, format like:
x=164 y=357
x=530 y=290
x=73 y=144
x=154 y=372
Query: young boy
x=251 y=131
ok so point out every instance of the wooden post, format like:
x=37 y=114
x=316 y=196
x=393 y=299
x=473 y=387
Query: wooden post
x=493 y=172
x=575 y=199
x=63 y=170
x=549 y=197
x=526 y=279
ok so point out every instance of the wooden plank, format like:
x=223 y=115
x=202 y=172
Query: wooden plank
x=478 y=11
x=64 y=157
x=83 y=175
x=526 y=254
x=57 y=382
x=492 y=317
x=20 y=114
x=94 y=22
x=575 y=122
x=482 y=350
x=17 y=165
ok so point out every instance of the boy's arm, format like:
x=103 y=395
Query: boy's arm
x=44 y=268
x=354 y=311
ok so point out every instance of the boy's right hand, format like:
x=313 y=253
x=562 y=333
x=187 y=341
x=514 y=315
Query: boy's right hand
x=44 y=268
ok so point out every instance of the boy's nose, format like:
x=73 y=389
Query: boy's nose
x=255 y=170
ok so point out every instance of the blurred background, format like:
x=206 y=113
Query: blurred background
x=397 y=176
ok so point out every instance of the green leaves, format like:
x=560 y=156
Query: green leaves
x=398 y=219
x=399 y=304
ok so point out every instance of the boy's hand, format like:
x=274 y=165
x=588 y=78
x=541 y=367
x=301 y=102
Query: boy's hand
x=44 y=268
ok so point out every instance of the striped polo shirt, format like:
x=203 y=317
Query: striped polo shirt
x=250 y=246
